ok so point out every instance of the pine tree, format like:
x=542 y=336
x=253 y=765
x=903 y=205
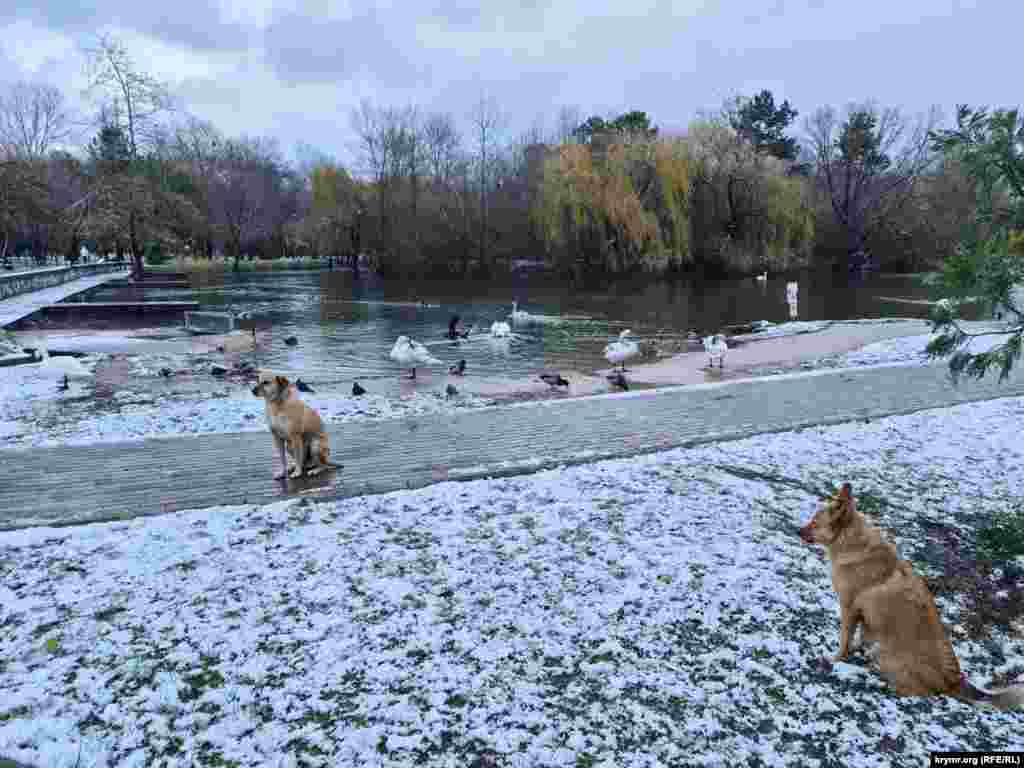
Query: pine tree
x=990 y=261
x=763 y=124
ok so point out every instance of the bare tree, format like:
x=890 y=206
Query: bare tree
x=246 y=191
x=196 y=144
x=33 y=120
x=442 y=143
x=487 y=122
x=383 y=149
x=140 y=97
x=869 y=163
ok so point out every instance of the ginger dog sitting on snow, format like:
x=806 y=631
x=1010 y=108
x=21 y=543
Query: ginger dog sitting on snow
x=880 y=591
x=293 y=424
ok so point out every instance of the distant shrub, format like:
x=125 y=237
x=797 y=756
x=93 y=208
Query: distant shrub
x=154 y=253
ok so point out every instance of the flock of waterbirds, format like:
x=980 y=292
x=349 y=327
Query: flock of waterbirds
x=411 y=354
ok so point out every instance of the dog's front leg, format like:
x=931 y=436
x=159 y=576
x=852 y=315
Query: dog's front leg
x=848 y=621
x=297 y=447
x=279 y=445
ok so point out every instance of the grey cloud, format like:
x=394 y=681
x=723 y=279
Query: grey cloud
x=304 y=49
x=203 y=91
x=199 y=28
x=671 y=59
x=195 y=24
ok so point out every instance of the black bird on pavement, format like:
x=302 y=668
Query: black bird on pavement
x=617 y=379
x=554 y=380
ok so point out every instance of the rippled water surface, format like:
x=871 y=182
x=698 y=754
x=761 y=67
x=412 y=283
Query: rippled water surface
x=346 y=325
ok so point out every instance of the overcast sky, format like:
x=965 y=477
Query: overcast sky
x=294 y=69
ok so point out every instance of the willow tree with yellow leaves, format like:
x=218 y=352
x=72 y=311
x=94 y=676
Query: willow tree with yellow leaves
x=617 y=205
x=706 y=199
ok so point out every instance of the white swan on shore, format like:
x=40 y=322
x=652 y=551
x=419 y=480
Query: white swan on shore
x=792 y=291
x=500 y=329
x=716 y=347
x=60 y=367
x=410 y=353
x=618 y=352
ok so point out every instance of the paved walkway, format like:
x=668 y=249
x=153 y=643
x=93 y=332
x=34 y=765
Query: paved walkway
x=109 y=481
x=15 y=308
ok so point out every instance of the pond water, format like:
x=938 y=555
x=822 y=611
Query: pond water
x=347 y=324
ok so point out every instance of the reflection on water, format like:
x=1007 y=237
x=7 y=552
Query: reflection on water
x=346 y=325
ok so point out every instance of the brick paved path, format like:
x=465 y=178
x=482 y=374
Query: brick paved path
x=114 y=480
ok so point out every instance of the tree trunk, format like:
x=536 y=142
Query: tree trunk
x=73 y=252
x=136 y=252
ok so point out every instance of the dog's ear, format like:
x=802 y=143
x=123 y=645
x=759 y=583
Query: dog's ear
x=843 y=507
x=282 y=381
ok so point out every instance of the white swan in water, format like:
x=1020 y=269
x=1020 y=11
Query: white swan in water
x=410 y=354
x=618 y=352
x=763 y=276
x=716 y=347
x=521 y=317
x=501 y=329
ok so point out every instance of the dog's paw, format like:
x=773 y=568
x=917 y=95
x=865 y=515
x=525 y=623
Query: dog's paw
x=295 y=473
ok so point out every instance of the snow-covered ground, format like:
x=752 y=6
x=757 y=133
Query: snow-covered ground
x=648 y=612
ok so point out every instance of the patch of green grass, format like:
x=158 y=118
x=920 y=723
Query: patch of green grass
x=870 y=504
x=109 y=613
x=14 y=714
x=212 y=757
x=205 y=679
x=456 y=701
x=201 y=265
x=1003 y=538
x=46 y=628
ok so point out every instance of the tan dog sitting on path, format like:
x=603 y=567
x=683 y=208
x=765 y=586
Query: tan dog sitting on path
x=879 y=590
x=294 y=425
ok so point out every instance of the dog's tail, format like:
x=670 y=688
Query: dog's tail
x=1011 y=698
